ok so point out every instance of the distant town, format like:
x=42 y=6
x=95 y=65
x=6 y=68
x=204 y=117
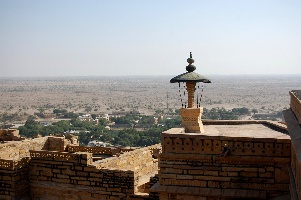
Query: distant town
x=128 y=111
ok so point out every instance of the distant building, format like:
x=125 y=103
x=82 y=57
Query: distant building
x=122 y=113
x=9 y=135
x=46 y=123
x=104 y=116
x=88 y=118
x=96 y=143
x=45 y=115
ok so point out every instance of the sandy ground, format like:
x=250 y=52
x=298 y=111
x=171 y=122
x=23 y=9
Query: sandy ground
x=147 y=94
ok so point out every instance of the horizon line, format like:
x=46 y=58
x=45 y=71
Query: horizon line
x=69 y=76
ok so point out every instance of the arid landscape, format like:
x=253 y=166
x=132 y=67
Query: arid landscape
x=147 y=94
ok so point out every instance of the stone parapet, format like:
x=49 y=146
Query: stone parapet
x=16 y=150
x=14 y=179
x=13 y=164
x=295 y=105
x=294 y=130
x=77 y=158
x=239 y=146
x=214 y=166
x=73 y=175
x=141 y=161
x=99 y=150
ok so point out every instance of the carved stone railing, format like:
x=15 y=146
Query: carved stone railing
x=295 y=105
x=13 y=164
x=214 y=146
x=83 y=158
x=98 y=150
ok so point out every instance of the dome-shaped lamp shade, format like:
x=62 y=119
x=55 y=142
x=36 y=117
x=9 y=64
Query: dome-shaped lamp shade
x=190 y=75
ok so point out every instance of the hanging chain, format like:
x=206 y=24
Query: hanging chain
x=202 y=91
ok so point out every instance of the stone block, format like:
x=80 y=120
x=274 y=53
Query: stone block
x=68 y=172
x=58 y=171
x=214 y=184
x=83 y=182
x=266 y=174
x=281 y=176
x=248 y=174
x=80 y=173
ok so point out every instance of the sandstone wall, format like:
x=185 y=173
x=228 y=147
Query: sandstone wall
x=19 y=149
x=295 y=105
x=56 y=175
x=250 y=168
x=99 y=150
x=141 y=161
x=293 y=120
x=14 y=160
x=63 y=175
x=14 y=179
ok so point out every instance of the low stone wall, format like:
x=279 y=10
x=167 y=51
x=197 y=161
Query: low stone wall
x=19 y=149
x=63 y=175
x=56 y=175
x=141 y=161
x=14 y=179
x=14 y=161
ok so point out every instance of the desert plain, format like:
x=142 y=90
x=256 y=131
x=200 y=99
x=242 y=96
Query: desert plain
x=24 y=96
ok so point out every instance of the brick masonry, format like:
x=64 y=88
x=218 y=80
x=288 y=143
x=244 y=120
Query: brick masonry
x=63 y=175
x=248 y=168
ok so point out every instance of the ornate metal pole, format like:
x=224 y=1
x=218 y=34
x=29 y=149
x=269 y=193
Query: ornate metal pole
x=191 y=116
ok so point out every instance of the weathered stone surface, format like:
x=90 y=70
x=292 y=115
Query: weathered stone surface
x=225 y=162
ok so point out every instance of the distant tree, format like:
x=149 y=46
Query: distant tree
x=71 y=115
x=60 y=111
x=93 y=116
x=254 y=111
x=241 y=111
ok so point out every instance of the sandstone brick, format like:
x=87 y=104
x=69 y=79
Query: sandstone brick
x=56 y=171
x=270 y=169
x=179 y=176
x=232 y=174
x=248 y=174
x=99 y=175
x=83 y=182
x=78 y=178
x=79 y=173
x=62 y=176
x=281 y=176
x=266 y=174
x=211 y=173
x=68 y=172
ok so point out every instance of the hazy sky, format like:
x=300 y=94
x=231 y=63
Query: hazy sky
x=143 y=37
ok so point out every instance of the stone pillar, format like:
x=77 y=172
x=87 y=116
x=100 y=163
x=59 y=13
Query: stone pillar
x=190 y=87
x=191 y=120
